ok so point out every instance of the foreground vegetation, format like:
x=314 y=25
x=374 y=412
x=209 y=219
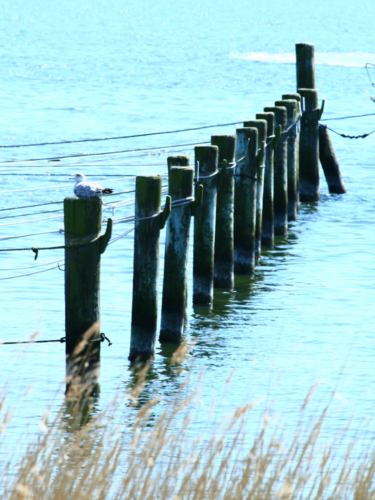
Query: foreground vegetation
x=80 y=456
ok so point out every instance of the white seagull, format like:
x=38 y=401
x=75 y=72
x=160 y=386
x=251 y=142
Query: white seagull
x=86 y=189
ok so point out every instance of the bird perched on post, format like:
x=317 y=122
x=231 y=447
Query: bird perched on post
x=86 y=189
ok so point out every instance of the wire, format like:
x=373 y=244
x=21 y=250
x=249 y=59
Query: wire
x=346 y=117
x=58 y=202
x=363 y=136
x=31 y=206
x=121 y=236
x=32 y=267
x=31 y=234
x=102 y=338
x=86 y=155
x=29 y=274
x=31 y=220
x=148 y=134
x=35 y=189
x=32 y=213
x=56 y=187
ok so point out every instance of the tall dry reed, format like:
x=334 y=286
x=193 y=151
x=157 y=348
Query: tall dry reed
x=81 y=456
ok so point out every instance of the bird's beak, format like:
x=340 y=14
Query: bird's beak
x=72 y=178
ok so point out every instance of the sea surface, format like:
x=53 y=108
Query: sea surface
x=98 y=69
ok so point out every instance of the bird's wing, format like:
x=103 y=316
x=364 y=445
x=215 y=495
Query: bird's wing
x=86 y=189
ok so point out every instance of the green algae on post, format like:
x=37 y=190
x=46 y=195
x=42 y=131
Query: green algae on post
x=309 y=147
x=146 y=267
x=267 y=237
x=261 y=125
x=83 y=223
x=176 y=256
x=245 y=201
x=206 y=163
x=291 y=106
x=305 y=65
x=280 y=174
x=178 y=161
x=223 y=267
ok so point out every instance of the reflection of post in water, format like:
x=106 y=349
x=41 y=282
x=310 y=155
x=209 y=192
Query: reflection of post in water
x=83 y=366
x=244 y=288
x=223 y=303
x=76 y=413
x=141 y=383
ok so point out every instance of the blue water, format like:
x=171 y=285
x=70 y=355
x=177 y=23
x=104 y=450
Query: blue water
x=99 y=69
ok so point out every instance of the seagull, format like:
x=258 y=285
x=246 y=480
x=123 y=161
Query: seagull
x=86 y=189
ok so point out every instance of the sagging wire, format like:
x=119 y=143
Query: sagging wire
x=100 y=139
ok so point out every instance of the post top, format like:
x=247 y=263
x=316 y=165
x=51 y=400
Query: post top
x=275 y=109
x=155 y=177
x=224 y=135
x=179 y=168
x=305 y=44
x=254 y=123
x=307 y=91
x=295 y=96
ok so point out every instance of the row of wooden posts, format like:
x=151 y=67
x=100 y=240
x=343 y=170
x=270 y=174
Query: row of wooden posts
x=242 y=191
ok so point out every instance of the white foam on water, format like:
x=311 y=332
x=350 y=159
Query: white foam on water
x=350 y=59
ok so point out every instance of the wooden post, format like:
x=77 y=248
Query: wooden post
x=223 y=268
x=280 y=174
x=146 y=267
x=245 y=201
x=292 y=159
x=176 y=255
x=267 y=216
x=305 y=59
x=83 y=224
x=204 y=224
x=261 y=125
x=309 y=147
x=329 y=162
x=178 y=161
x=296 y=97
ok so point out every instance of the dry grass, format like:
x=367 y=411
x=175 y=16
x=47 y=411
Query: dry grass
x=80 y=456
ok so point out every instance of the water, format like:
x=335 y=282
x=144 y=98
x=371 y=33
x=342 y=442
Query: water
x=100 y=69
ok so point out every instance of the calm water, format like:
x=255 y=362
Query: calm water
x=99 y=69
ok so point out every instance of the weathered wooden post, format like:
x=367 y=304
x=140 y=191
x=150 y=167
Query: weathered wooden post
x=83 y=246
x=261 y=125
x=176 y=255
x=245 y=200
x=309 y=147
x=305 y=59
x=267 y=215
x=206 y=163
x=329 y=162
x=280 y=174
x=296 y=97
x=148 y=222
x=291 y=106
x=223 y=268
x=178 y=161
